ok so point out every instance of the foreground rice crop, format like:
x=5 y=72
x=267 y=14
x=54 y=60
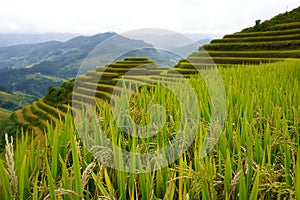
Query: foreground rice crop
x=257 y=155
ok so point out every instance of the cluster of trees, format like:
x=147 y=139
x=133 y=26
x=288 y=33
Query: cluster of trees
x=60 y=95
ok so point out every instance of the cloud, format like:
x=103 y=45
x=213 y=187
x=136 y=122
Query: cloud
x=94 y=16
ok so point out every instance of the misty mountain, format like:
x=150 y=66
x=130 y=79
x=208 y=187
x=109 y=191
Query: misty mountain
x=25 y=55
x=62 y=53
x=175 y=43
x=51 y=63
x=201 y=36
x=17 y=39
x=186 y=50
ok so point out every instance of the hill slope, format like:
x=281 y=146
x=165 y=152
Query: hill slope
x=284 y=18
x=278 y=39
x=14 y=101
x=58 y=100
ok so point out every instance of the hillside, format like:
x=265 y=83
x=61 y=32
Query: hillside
x=26 y=55
x=55 y=103
x=15 y=101
x=58 y=100
x=276 y=22
x=278 y=41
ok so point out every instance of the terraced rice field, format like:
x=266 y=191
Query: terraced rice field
x=91 y=89
x=256 y=157
x=280 y=43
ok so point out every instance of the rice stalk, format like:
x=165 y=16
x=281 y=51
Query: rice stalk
x=9 y=156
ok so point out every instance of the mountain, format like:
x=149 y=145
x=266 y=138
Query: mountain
x=17 y=39
x=26 y=55
x=190 y=48
x=201 y=36
x=50 y=63
x=169 y=40
x=20 y=56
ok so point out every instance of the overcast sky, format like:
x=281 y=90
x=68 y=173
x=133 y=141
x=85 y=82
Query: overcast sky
x=95 y=16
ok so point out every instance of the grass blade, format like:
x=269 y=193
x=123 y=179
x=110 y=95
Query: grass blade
x=297 y=185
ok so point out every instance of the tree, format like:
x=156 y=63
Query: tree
x=257 y=22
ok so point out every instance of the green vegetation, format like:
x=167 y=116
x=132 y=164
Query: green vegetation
x=257 y=39
x=4 y=113
x=275 y=23
x=274 y=40
x=57 y=53
x=264 y=33
x=32 y=83
x=25 y=55
x=249 y=54
x=274 y=45
x=15 y=101
x=60 y=95
x=57 y=100
x=255 y=157
x=13 y=126
x=32 y=68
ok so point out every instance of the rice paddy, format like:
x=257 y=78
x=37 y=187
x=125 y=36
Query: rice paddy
x=256 y=156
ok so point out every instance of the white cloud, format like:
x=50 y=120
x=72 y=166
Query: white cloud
x=94 y=16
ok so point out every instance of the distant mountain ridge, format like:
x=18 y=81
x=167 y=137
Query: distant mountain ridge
x=48 y=63
x=11 y=39
x=19 y=56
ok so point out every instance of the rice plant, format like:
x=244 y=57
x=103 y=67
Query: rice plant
x=256 y=157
